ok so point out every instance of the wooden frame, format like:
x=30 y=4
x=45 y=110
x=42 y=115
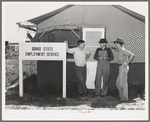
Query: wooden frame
x=48 y=51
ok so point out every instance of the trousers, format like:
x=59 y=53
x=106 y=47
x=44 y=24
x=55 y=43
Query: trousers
x=81 y=79
x=102 y=70
x=121 y=82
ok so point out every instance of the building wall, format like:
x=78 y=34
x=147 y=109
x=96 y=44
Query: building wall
x=131 y=30
x=136 y=79
x=60 y=36
x=119 y=25
x=50 y=75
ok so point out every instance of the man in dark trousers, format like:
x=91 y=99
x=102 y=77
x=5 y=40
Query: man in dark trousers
x=80 y=56
x=103 y=55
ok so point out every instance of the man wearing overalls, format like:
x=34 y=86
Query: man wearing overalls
x=103 y=55
x=124 y=58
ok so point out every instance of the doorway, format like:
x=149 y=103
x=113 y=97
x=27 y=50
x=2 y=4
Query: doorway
x=92 y=36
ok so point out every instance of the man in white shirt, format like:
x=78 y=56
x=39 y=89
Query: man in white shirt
x=80 y=57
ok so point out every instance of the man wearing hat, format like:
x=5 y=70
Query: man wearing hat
x=124 y=58
x=80 y=57
x=103 y=55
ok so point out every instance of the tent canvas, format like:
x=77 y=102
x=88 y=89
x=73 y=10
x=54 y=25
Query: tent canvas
x=79 y=16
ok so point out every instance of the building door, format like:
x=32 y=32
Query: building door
x=92 y=36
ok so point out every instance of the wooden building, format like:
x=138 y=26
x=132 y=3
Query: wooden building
x=91 y=22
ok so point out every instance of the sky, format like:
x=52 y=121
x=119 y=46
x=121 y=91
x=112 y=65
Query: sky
x=13 y=12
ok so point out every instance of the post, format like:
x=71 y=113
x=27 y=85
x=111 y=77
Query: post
x=20 y=72
x=59 y=35
x=105 y=33
x=64 y=71
x=102 y=83
x=75 y=34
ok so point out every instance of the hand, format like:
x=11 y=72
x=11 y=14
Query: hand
x=87 y=56
x=100 y=58
x=125 y=64
x=105 y=57
x=66 y=41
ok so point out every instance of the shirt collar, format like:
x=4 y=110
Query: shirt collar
x=122 y=48
x=80 y=49
x=104 y=48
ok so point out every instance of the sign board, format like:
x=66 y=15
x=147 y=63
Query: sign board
x=42 y=51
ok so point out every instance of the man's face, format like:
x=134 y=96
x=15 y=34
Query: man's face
x=118 y=45
x=82 y=45
x=102 y=45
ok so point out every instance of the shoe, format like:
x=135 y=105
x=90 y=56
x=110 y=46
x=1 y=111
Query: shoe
x=102 y=95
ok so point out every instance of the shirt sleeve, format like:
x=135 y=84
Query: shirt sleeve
x=110 y=54
x=86 y=52
x=128 y=53
x=96 y=54
x=71 y=50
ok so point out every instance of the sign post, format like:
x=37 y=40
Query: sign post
x=64 y=71
x=40 y=51
x=20 y=72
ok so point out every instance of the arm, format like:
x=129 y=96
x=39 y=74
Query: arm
x=115 y=49
x=130 y=57
x=96 y=54
x=68 y=50
x=112 y=46
x=87 y=56
x=110 y=55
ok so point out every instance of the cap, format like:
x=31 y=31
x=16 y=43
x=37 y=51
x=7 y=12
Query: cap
x=103 y=41
x=118 y=40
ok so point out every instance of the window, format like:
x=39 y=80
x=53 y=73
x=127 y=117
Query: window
x=92 y=36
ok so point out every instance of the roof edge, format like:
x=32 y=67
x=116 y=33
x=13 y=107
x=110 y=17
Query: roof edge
x=41 y=18
x=131 y=13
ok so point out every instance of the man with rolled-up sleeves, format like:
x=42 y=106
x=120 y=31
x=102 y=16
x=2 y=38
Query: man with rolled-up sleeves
x=80 y=56
x=124 y=58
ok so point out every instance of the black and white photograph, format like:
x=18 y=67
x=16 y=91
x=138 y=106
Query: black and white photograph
x=75 y=60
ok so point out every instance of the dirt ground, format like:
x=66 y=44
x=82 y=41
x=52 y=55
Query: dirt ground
x=73 y=102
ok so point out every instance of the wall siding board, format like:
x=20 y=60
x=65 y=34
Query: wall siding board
x=50 y=74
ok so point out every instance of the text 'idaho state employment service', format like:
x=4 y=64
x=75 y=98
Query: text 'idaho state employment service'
x=42 y=51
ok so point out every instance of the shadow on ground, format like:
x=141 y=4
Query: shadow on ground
x=49 y=97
